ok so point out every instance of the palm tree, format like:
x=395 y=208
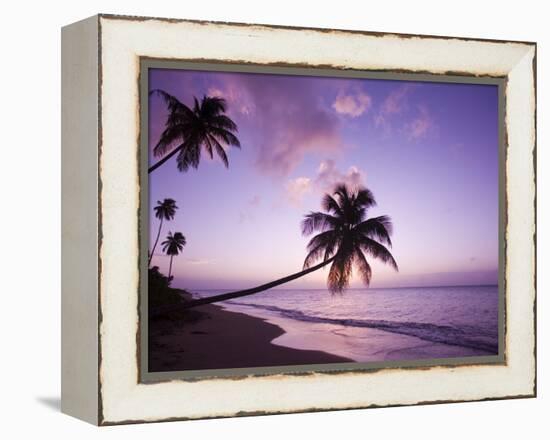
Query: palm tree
x=345 y=236
x=188 y=131
x=173 y=245
x=165 y=210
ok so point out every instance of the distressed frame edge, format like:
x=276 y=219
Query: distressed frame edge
x=124 y=17
x=532 y=114
x=244 y=413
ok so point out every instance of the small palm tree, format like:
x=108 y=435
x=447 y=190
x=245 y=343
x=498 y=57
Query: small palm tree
x=188 y=131
x=165 y=210
x=345 y=236
x=172 y=246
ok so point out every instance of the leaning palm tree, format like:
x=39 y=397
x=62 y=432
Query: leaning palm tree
x=165 y=210
x=345 y=236
x=189 y=130
x=173 y=245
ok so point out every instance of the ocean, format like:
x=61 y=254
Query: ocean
x=372 y=324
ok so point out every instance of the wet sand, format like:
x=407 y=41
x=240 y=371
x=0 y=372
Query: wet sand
x=213 y=338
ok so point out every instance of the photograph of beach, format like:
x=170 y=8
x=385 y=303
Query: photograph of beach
x=318 y=220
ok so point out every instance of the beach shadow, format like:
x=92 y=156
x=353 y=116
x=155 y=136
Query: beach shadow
x=52 y=403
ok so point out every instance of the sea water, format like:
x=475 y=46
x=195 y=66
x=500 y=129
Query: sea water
x=380 y=324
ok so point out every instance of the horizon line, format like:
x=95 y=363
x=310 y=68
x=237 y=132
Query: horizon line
x=364 y=288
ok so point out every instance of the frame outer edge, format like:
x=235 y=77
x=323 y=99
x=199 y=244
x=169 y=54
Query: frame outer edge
x=80 y=224
x=129 y=420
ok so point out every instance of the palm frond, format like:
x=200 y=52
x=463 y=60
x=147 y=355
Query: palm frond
x=168 y=138
x=220 y=151
x=173 y=244
x=379 y=228
x=330 y=204
x=208 y=147
x=364 y=198
x=318 y=221
x=339 y=274
x=213 y=105
x=196 y=106
x=166 y=209
x=377 y=250
x=363 y=267
x=312 y=256
x=173 y=103
x=223 y=122
x=322 y=245
x=342 y=193
x=226 y=136
x=189 y=156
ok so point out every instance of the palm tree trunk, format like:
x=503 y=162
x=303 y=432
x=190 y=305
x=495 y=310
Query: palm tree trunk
x=252 y=291
x=156 y=241
x=170 y=270
x=164 y=159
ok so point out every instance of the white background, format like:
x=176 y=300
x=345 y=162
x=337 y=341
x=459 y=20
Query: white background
x=30 y=217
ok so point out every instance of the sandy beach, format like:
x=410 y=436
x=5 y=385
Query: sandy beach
x=213 y=338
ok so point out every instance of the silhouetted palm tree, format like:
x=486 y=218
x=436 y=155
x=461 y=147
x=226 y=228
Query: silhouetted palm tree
x=173 y=245
x=165 y=210
x=345 y=236
x=187 y=131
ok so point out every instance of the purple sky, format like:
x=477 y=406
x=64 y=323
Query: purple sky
x=428 y=151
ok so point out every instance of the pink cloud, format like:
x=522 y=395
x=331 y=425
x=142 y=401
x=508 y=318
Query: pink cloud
x=292 y=123
x=352 y=105
x=421 y=125
x=297 y=189
x=234 y=97
x=327 y=177
x=395 y=103
x=280 y=121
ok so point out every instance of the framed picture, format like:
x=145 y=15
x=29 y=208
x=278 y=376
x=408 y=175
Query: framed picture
x=262 y=220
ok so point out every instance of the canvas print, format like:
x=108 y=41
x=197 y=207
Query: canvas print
x=302 y=220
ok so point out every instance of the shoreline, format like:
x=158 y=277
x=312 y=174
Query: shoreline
x=361 y=344
x=227 y=336
x=210 y=337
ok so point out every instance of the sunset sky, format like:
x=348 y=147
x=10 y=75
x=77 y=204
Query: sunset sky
x=428 y=151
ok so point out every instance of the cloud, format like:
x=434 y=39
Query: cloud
x=352 y=105
x=234 y=97
x=395 y=109
x=327 y=177
x=395 y=103
x=296 y=189
x=396 y=100
x=281 y=119
x=293 y=121
x=420 y=126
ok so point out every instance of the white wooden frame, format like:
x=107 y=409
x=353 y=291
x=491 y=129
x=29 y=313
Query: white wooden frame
x=100 y=223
